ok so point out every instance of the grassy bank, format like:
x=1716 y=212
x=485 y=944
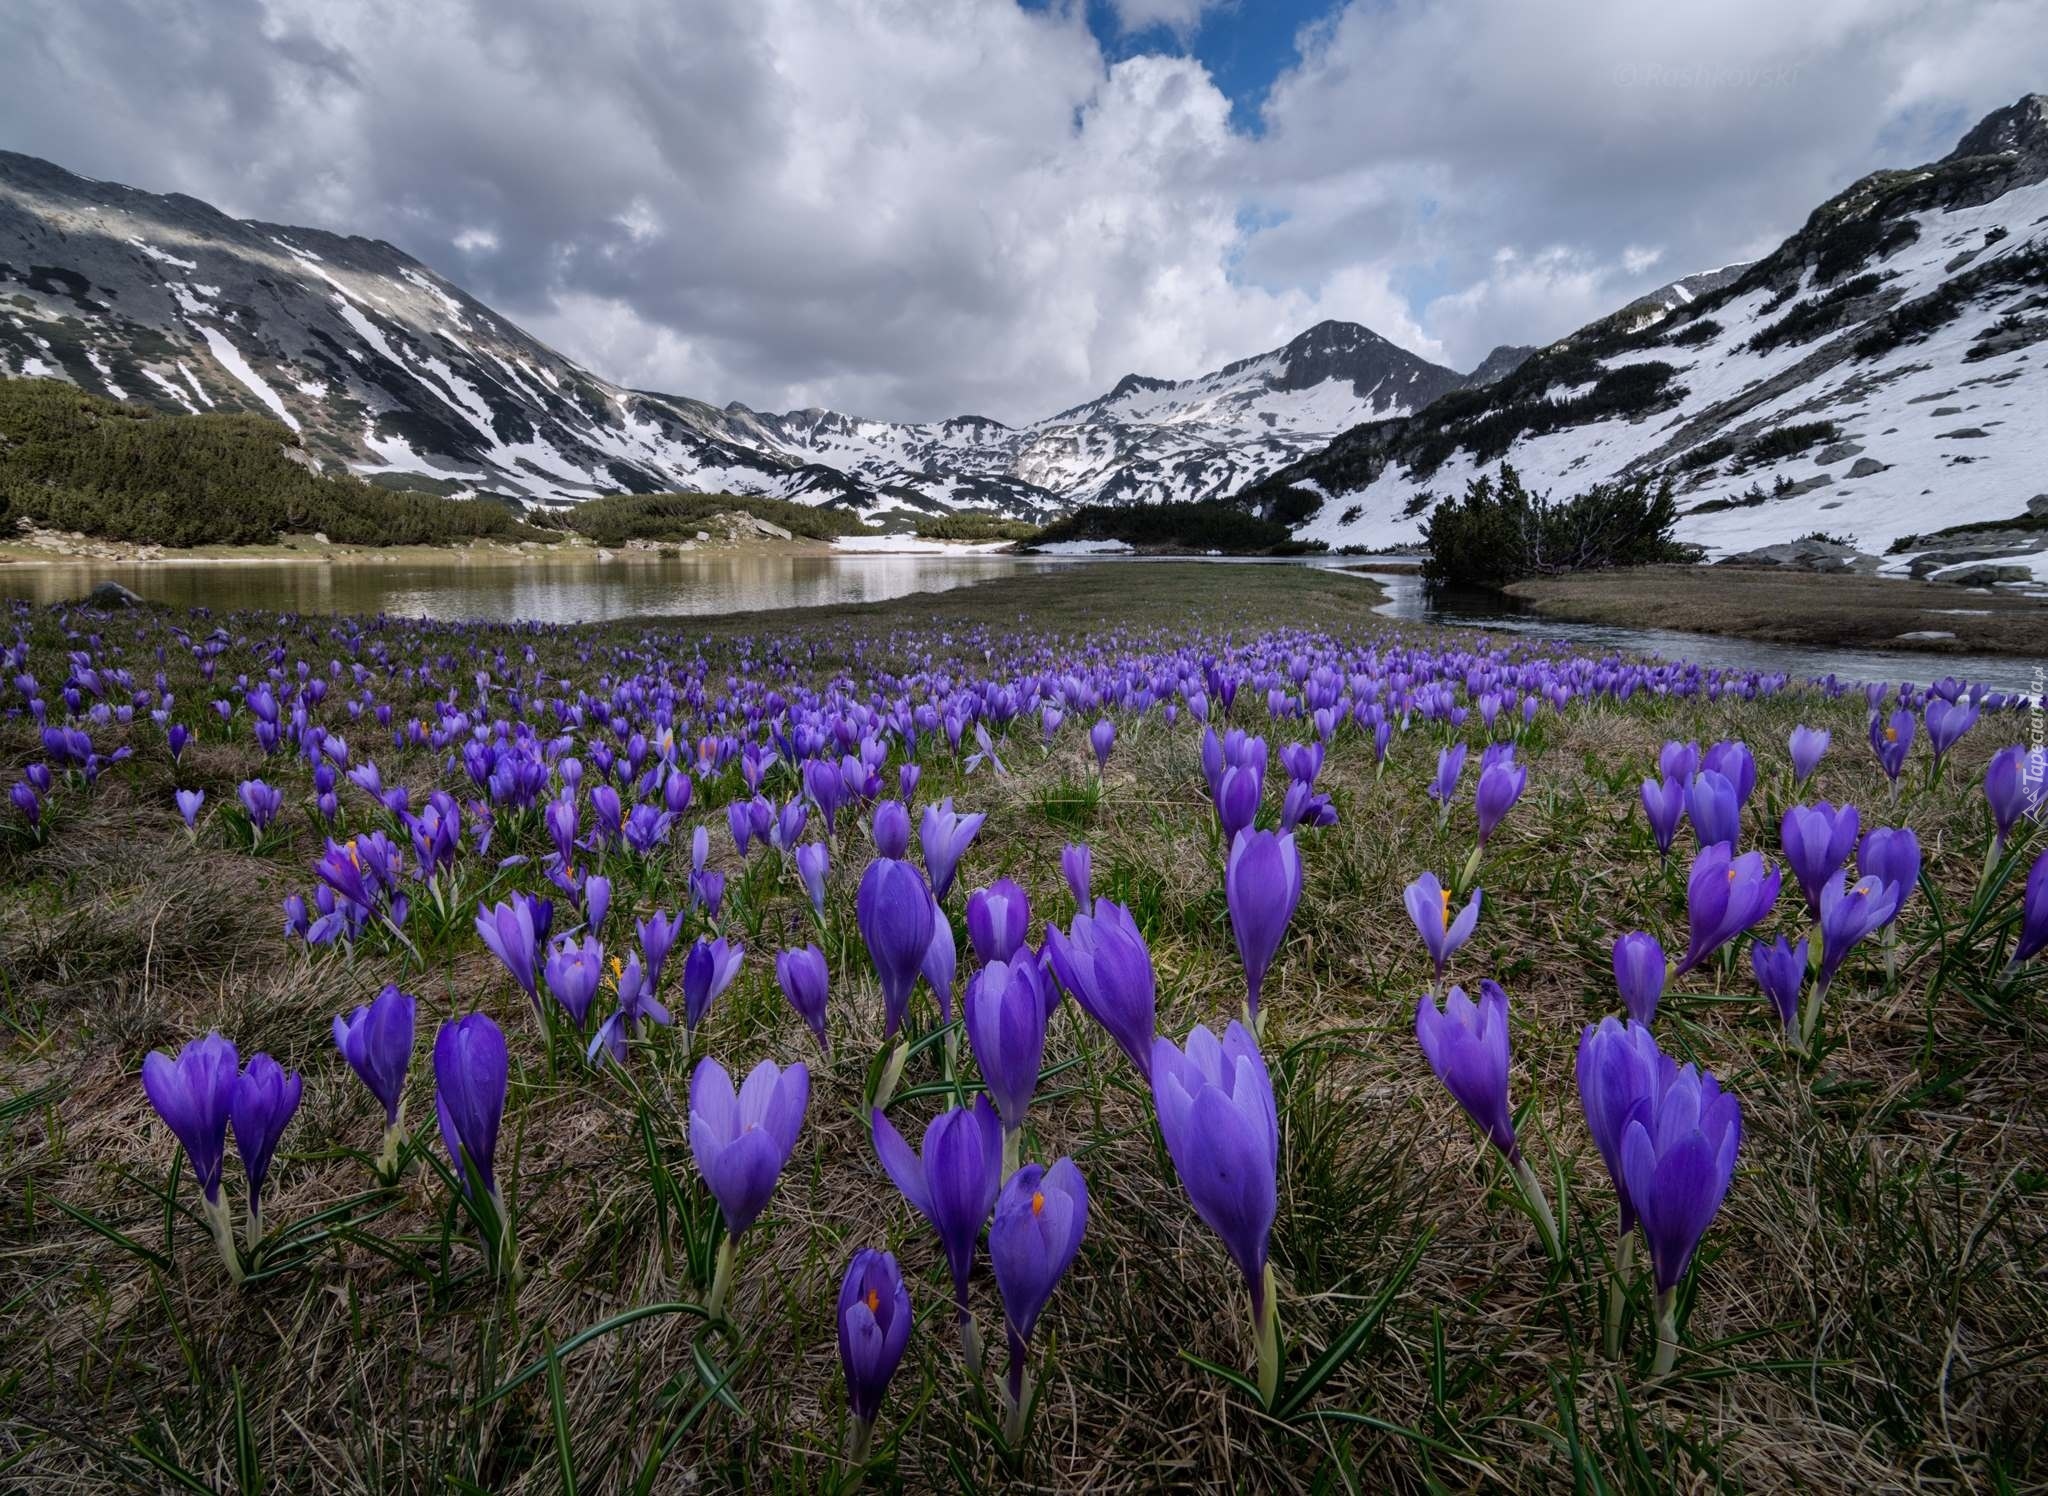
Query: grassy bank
x=1796 y=608
x=1870 y=1311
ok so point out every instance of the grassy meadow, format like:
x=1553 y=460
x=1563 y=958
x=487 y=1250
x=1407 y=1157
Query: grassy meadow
x=1868 y=1312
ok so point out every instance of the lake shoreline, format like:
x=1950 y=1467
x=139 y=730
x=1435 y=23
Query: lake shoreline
x=1798 y=608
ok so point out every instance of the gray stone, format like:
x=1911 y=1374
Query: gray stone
x=1962 y=434
x=110 y=597
x=1866 y=467
x=1987 y=575
x=1808 y=555
x=1836 y=452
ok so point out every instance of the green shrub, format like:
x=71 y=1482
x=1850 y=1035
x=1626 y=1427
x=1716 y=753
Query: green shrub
x=618 y=518
x=74 y=461
x=975 y=524
x=1499 y=531
x=1208 y=525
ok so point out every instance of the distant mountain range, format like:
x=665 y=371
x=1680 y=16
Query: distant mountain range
x=1880 y=377
x=1877 y=377
x=384 y=366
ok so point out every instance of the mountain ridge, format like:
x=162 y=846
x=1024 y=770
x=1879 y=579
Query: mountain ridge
x=392 y=371
x=1878 y=377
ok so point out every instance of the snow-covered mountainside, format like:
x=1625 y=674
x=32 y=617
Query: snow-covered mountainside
x=1881 y=376
x=385 y=367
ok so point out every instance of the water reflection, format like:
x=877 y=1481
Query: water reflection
x=1410 y=601
x=550 y=591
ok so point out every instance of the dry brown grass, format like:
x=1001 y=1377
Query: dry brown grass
x=1798 y=608
x=1868 y=1313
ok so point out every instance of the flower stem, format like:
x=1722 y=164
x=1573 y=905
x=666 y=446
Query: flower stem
x=721 y=1280
x=857 y=1451
x=1617 y=1293
x=1016 y=1393
x=892 y=1072
x=970 y=1344
x=1539 y=1208
x=1013 y=1150
x=1266 y=1332
x=1667 y=1333
x=219 y=1215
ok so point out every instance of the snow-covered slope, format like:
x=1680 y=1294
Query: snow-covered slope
x=383 y=366
x=1880 y=376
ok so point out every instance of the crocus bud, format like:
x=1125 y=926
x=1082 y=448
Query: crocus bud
x=804 y=980
x=265 y=1096
x=894 y=911
x=874 y=1328
x=997 y=918
x=1262 y=887
x=1639 y=974
x=1077 y=865
x=1103 y=961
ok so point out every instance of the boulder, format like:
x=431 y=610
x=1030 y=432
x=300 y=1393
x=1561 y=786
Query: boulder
x=1808 y=555
x=1866 y=467
x=111 y=597
x=1986 y=575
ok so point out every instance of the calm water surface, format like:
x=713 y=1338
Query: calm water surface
x=580 y=591
x=586 y=591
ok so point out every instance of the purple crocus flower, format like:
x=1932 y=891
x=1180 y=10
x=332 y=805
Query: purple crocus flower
x=637 y=1007
x=27 y=801
x=813 y=862
x=1639 y=969
x=941 y=964
x=1617 y=1071
x=1429 y=905
x=1039 y=1221
x=894 y=911
x=874 y=1327
x=1664 y=806
x=741 y=1141
x=707 y=971
x=1102 y=738
x=740 y=822
x=377 y=1041
x=508 y=930
x=1891 y=739
x=1817 y=840
x=1450 y=768
x=1215 y=1106
x=1716 y=812
x=1890 y=854
x=1678 y=762
x=952 y=1182
x=1848 y=913
x=1724 y=895
x=597 y=902
x=1501 y=782
x=804 y=980
x=1006 y=1010
x=2010 y=790
x=1216 y=1114
x=1735 y=763
x=1808 y=744
x=189 y=802
x=193 y=1093
x=574 y=971
x=1781 y=973
x=1077 y=866
x=2033 y=934
x=471 y=1071
x=944 y=837
x=997 y=919
x=260 y=801
x=1238 y=793
x=1103 y=961
x=1466 y=1044
x=265 y=1096
x=1678 y=1161
x=892 y=830
x=1262 y=887
x=1947 y=721
x=658 y=933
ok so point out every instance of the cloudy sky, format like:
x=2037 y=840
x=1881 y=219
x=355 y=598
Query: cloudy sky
x=915 y=208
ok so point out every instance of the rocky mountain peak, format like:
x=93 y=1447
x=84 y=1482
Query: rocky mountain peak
x=2019 y=129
